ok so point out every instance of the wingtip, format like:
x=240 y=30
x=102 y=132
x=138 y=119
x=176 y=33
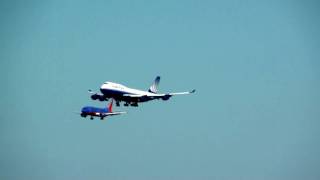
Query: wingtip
x=193 y=91
x=121 y=112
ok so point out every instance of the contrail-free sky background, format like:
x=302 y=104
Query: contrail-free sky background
x=255 y=65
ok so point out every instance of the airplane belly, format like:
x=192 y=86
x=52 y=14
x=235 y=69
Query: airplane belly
x=111 y=93
x=144 y=99
x=91 y=113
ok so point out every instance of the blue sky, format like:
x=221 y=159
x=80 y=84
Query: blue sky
x=255 y=65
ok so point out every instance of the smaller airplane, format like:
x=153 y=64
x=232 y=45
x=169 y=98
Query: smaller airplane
x=99 y=112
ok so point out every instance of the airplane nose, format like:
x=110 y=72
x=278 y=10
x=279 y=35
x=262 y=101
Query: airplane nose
x=84 y=109
x=102 y=87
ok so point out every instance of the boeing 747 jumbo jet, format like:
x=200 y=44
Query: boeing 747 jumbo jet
x=99 y=112
x=132 y=96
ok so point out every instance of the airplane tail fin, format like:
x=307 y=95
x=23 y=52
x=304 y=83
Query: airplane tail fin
x=110 y=106
x=154 y=87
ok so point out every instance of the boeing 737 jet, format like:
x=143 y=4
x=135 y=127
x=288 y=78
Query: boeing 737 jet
x=132 y=96
x=99 y=112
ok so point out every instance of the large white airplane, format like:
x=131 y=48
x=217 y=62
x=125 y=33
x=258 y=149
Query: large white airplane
x=132 y=96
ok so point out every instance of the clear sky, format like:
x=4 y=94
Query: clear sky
x=255 y=65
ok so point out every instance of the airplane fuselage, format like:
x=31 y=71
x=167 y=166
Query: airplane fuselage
x=93 y=111
x=119 y=92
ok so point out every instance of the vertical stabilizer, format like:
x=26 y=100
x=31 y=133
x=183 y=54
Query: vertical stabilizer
x=110 y=106
x=154 y=87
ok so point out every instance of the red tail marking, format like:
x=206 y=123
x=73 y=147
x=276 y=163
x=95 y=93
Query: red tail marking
x=110 y=106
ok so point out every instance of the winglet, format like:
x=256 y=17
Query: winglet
x=193 y=91
x=110 y=106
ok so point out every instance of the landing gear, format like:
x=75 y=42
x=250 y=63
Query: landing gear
x=101 y=98
x=134 y=104
x=91 y=118
x=101 y=118
x=126 y=104
x=117 y=103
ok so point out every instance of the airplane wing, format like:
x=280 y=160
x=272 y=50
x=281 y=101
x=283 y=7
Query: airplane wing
x=95 y=96
x=91 y=92
x=133 y=95
x=113 y=113
x=182 y=93
x=159 y=95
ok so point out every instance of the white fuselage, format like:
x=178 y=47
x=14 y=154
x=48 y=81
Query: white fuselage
x=119 y=89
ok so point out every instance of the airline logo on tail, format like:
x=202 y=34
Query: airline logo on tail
x=154 y=87
x=110 y=106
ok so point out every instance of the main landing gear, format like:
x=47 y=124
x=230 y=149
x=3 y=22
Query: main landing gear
x=134 y=104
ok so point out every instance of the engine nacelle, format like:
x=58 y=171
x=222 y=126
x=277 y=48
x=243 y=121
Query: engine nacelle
x=94 y=96
x=166 y=97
